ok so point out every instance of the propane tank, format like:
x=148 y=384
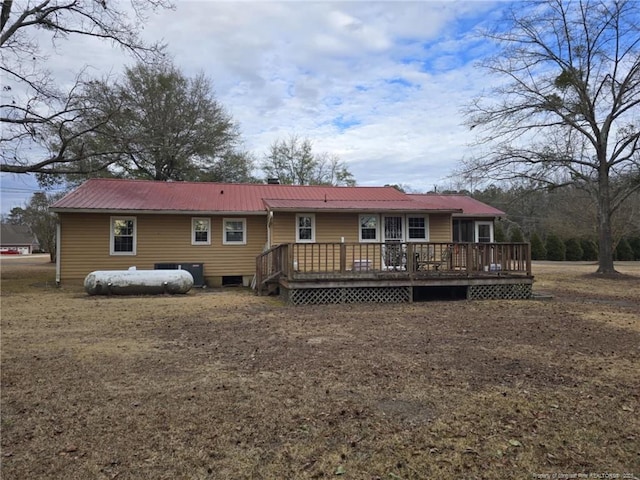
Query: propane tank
x=138 y=282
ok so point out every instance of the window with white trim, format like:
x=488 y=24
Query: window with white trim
x=368 y=228
x=417 y=228
x=123 y=236
x=484 y=232
x=234 y=231
x=200 y=231
x=305 y=227
x=463 y=230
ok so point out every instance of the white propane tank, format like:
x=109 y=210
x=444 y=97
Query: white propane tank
x=137 y=282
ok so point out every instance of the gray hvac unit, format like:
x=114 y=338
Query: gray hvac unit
x=195 y=269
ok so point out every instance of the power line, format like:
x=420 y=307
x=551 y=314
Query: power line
x=30 y=190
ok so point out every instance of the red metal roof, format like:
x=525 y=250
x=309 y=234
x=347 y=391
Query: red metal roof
x=406 y=204
x=469 y=206
x=140 y=195
x=114 y=195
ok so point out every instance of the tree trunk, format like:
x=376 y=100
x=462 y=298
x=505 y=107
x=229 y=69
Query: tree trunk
x=605 y=238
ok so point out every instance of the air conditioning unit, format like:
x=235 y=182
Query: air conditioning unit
x=195 y=269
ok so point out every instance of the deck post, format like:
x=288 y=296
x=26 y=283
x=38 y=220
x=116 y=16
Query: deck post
x=284 y=257
x=343 y=257
x=411 y=259
x=289 y=255
x=259 y=274
x=274 y=264
x=529 y=259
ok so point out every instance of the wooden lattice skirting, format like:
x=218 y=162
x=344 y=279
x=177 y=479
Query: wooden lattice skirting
x=517 y=291
x=403 y=294
x=314 y=296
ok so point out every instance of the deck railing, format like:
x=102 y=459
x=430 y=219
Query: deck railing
x=271 y=264
x=410 y=257
x=298 y=260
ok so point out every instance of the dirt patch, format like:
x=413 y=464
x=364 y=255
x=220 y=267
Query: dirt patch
x=222 y=384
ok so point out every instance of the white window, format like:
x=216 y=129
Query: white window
x=234 y=231
x=484 y=232
x=368 y=228
x=305 y=227
x=123 y=236
x=417 y=229
x=200 y=231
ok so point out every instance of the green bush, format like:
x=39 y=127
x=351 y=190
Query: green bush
x=515 y=235
x=634 y=243
x=573 y=250
x=538 y=251
x=555 y=248
x=498 y=233
x=623 y=251
x=589 y=250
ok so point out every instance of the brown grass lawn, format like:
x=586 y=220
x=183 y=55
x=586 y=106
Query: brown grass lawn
x=220 y=384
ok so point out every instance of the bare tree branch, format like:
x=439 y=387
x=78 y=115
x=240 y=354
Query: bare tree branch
x=571 y=71
x=36 y=115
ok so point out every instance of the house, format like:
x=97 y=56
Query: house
x=475 y=220
x=17 y=239
x=300 y=238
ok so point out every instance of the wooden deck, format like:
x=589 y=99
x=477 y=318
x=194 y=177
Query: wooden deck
x=488 y=267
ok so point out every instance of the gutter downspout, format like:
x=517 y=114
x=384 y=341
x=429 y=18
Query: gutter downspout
x=58 y=252
x=269 y=222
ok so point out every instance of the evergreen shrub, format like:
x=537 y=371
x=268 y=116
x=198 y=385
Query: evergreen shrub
x=515 y=235
x=589 y=250
x=538 y=250
x=623 y=251
x=498 y=233
x=573 y=250
x=556 y=250
x=634 y=243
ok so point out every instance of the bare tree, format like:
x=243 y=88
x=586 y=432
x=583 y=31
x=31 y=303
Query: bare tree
x=36 y=112
x=292 y=161
x=40 y=220
x=333 y=171
x=567 y=112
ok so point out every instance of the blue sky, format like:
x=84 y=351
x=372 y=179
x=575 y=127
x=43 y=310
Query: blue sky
x=380 y=84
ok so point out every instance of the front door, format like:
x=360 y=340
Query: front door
x=393 y=231
x=393 y=236
x=483 y=232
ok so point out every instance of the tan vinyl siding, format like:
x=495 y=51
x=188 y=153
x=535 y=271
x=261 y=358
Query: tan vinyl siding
x=440 y=228
x=331 y=227
x=160 y=239
x=283 y=228
x=238 y=259
x=84 y=246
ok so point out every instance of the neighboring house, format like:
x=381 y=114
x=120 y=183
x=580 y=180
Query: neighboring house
x=17 y=239
x=233 y=230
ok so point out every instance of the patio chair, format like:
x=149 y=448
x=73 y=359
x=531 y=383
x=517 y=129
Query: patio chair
x=394 y=257
x=426 y=259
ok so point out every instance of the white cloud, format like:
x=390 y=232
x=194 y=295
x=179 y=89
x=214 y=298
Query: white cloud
x=379 y=83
